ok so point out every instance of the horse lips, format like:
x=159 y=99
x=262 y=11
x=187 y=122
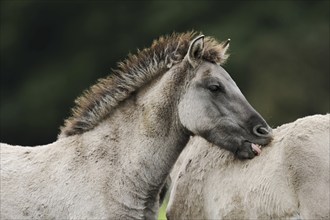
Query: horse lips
x=256 y=149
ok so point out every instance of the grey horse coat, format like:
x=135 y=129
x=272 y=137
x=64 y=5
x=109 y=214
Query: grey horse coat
x=126 y=132
x=289 y=180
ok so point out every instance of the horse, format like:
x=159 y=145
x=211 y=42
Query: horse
x=290 y=180
x=114 y=152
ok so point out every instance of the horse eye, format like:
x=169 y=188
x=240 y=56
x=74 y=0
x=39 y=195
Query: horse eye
x=215 y=88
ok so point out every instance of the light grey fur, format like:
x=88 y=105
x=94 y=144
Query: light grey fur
x=289 y=180
x=115 y=168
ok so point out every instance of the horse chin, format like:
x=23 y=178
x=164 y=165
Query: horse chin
x=246 y=151
x=242 y=148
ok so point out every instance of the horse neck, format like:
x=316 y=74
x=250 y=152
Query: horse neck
x=146 y=137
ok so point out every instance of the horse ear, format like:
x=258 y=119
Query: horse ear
x=195 y=50
x=225 y=46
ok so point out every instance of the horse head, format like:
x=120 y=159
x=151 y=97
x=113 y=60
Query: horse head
x=214 y=108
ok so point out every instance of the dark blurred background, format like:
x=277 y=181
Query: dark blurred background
x=52 y=50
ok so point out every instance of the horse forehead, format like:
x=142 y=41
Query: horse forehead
x=212 y=70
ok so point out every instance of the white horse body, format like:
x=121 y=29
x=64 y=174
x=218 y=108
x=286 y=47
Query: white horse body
x=126 y=132
x=92 y=175
x=40 y=182
x=290 y=179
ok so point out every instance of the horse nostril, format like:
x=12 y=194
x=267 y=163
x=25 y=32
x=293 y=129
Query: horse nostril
x=259 y=130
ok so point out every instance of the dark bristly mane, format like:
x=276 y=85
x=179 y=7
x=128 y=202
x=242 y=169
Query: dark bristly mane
x=133 y=73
